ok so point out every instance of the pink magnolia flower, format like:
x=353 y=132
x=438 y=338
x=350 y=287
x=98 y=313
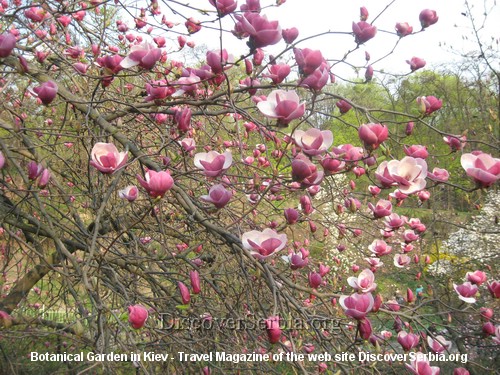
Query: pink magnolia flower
x=379 y=248
x=218 y=60
x=374 y=263
x=476 y=277
x=416 y=151
x=408 y=174
x=34 y=170
x=261 y=31
x=218 y=195
x=273 y=329
x=401 y=260
x=158 y=90
x=130 y=193
x=381 y=209
x=439 y=175
x=156 y=183
x=314 y=279
x=438 y=344
x=251 y=6
x=313 y=141
x=456 y=143
x=416 y=225
x=365 y=329
x=466 y=291
x=298 y=260
x=420 y=366
x=213 y=163
x=46 y=92
x=427 y=18
x=494 y=288
x=416 y=63
x=137 y=316
x=317 y=79
x=106 y=158
x=363 y=13
x=308 y=60
x=5 y=319
x=343 y=106
x=194 y=277
x=282 y=105
x=183 y=119
x=357 y=305
x=369 y=73
x=144 y=55
x=408 y=340
x=263 y=244
x=483 y=168
x=291 y=215
x=429 y=104
x=394 y=221
x=403 y=29
x=372 y=135
x=2 y=160
x=331 y=163
x=289 y=35
x=7 y=44
x=409 y=236
x=363 y=31
x=278 y=72
x=304 y=171
x=192 y=25
x=364 y=283
x=224 y=7
x=461 y=371
x=184 y=292
x=188 y=144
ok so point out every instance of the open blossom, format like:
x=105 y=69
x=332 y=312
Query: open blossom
x=456 y=143
x=364 y=283
x=381 y=209
x=218 y=195
x=420 y=366
x=374 y=263
x=439 y=175
x=429 y=104
x=282 y=105
x=483 y=168
x=304 y=171
x=408 y=340
x=261 y=31
x=373 y=135
x=401 y=260
x=144 y=55
x=278 y=72
x=308 y=60
x=188 y=144
x=357 y=305
x=46 y=92
x=379 y=248
x=7 y=44
x=273 y=329
x=416 y=63
x=298 y=260
x=317 y=79
x=476 y=277
x=137 y=316
x=158 y=90
x=156 y=183
x=408 y=174
x=263 y=244
x=363 y=31
x=466 y=291
x=213 y=163
x=313 y=141
x=224 y=7
x=428 y=17
x=130 y=193
x=438 y=344
x=106 y=158
x=403 y=29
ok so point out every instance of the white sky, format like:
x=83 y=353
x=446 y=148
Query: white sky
x=317 y=16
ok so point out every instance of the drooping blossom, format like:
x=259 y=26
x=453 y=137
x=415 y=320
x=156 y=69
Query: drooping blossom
x=438 y=175
x=416 y=63
x=372 y=135
x=184 y=292
x=313 y=141
x=408 y=174
x=357 y=305
x=218 y=195
x=456 y=143
x=130 y=193
x=273 y=329
x=483 y=168
x=261 y=31
x=144 y=55
x=381 y=209
x=420 y=366
x=379 y=248
x=427 y=18
x=403 y=29
x=408 y=340
x=137 y=316
x=213 y=163
x=262 y=244
x=476 y=277
x=438 y=344
x=429 y=104
x=7 y=44
x=224 y=7
x=466 y=291
x=46 y=92
x=106 y=158
x=156 y=183
x=289 y=35
x=282 y=105
x=363 y=31
x=364 y=283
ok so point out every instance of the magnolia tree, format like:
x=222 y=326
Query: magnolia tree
x=154 y=202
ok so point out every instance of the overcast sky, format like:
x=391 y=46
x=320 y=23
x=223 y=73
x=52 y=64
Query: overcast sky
x=318 y=16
